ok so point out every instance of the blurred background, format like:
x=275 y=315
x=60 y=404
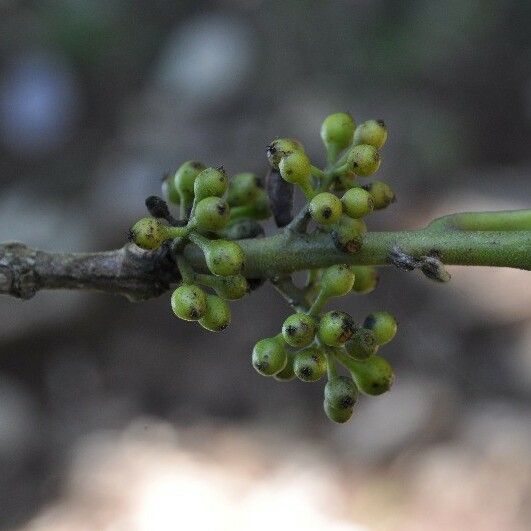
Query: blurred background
x=117 y=416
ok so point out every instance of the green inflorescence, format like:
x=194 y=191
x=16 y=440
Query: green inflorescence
x=216 y=210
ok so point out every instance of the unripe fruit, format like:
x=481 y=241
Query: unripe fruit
x=373 y=376
x=347 y=235
x=281 y=147
x=211 y=182
x=382 y=194
x=371 y=132
x=287 y=373
x=336 y=328
x=383 y=326
x=338 y=129
x=337 y=415
x=363 y=160
x=366 y=279
x=298 y=330
x=243 y=189
x=362 y=344
x=185 y=177
x=258 y=209
x=337 y=280
x=309 y=364
x=211 y=213
x=169 y=191
x=189 y=302
x=269 y=356
x=223 y=258
x=148 y=233
x=231 y=287
x=217 y=315
x=341 y=392
x=295 y=168
x=325 y=208
x=357 y=203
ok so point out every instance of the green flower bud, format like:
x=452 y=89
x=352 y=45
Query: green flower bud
x=347 y=235
x=371 y=132
x=363 y=160
x=337 y=280
x=230 y=288
x=341 y=392
x=217 y=315
x=362 y=344
x=357 y=203
x=223 y=258
x=325 y=208
x=336 y=328
x=373 y=376
x=381 y=193
x=149 y=233
x=366 y=279
x=189 y=302
x=258 y=209
x=338 y=129
x=243 y=189
x=211 y=182
x=211 y=213
x=383 y=325
x=337 y=415
x=281 y=147
x=169 y=191
x=269 y=356
x=309 y=364
x=185 y=177
x=287 y=373
x=298 y=330
x=296 y=168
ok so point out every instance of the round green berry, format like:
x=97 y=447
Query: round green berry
x=337 y=280
x=231 y=287
x=189 y=302
x=269 y=356
x=287 y=373
x=217 y=315
x=338 y=129
x=169 y=191
x=211 y=213
x=298 y=330
x=347 y=235
x=243 y=189
x=281 y=147
x=295 y=168
x=223 y=258
x=337 y=415
x=363 y=160
x=149 y=233
x=184 y=179
x=211 y=182
x=357 y=203
x=366 y=279
x=336 y=328
x=383 y=326
x=371 y=132
x=373 y=376
x=382 y=194
x=325 y=208
x=341 y=392
x=309 y=364
x=362 y=344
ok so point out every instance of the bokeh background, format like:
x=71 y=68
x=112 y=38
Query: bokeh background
x=117 y=416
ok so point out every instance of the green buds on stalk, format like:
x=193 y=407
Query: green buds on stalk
x=281 y=147
x=258 y=209
x=362 y=344
x=383 y=326
x=223 y=258
x=298 y=330
x=341 y=393
x=381 y=193
x=184 y=179
x=363 y=160
x=337 y=280
x=211 y=182
x=337 y=132
x=211 y=214
x=243 y=189
x=217 y=314
x=149 y=233
x=337 y=415
x=357 y=203
x=269 y=356
x=189 y=302
x=287 y=373
x=325 y=208
x=231 y=287
x=371 y=132
x=365 y=279
x=309 y=364
x=336 y=328
x=295 y=168
x=373 y=376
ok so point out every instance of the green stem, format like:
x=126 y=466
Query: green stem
x=187 y=273
x=508 y=220
x=316 y=172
